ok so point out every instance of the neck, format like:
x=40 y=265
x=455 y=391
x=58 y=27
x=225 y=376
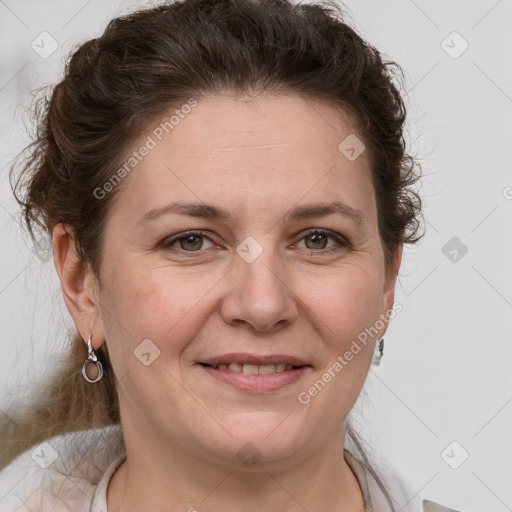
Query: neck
x=179 y=482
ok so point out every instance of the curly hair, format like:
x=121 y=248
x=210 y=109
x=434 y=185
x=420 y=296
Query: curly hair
x=155 y=59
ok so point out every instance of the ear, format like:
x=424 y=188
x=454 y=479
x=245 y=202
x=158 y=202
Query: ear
x=389 y=285
x=79 y=286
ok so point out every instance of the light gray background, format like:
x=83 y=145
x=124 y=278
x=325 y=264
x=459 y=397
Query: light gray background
x=446 y=372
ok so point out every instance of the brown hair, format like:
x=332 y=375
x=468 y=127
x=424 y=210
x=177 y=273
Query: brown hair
x=153 y=60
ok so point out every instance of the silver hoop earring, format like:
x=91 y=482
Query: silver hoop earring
x=380 y=349
x=92 y=358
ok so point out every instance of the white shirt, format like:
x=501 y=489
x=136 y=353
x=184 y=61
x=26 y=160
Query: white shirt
x=71 y=472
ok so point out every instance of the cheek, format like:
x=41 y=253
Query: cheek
x=163 y=305
x=343 y=313
x=345 y=303
x=150 y=319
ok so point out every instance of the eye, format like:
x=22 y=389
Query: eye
x=190 y=241
x=317 y=239
x=193 y=242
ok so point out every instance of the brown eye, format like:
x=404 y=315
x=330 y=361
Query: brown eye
x=317 y=241
x=192 y=241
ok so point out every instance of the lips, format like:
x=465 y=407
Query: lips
x=250 y=364
x=255 y=369
x=249 y=372
x=254 y=360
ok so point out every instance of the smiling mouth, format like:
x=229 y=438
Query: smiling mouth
x=255 y=373
x=254 y=369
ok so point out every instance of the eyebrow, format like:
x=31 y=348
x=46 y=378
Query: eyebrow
x=211 y=212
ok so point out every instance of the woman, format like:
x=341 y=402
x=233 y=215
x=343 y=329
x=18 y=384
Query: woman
x=217 y=375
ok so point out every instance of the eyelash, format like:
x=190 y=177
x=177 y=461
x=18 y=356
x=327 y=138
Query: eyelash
x=168 y=243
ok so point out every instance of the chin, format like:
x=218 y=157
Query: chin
x=258 y=439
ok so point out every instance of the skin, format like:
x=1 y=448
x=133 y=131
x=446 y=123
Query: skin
x=259 y=158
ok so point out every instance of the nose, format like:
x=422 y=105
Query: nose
x=259 y=295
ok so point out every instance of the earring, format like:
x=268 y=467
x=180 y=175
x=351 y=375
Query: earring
x=380 y=348
x=92 y=358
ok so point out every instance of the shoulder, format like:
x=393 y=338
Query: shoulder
x=61 y=473
x=404 y=498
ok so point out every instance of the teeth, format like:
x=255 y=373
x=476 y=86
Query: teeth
x=266 y=369
x=250 y=369
x=254 y=369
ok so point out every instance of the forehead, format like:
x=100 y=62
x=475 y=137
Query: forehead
x=245 y=151
x=239 y=124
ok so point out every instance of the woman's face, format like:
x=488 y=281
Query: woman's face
x=256 y=288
